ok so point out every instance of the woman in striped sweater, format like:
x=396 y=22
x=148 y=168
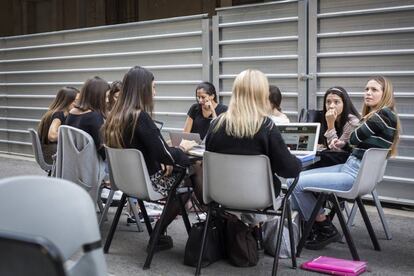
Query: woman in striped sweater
x=379 y=128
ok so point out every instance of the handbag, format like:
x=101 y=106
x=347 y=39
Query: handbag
x=270 y=231
x=241 y=246
x=213 y=250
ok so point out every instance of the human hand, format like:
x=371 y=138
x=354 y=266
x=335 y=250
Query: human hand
x=187 y=145
x=336 y=144
x=167 y=169
x=330 y=117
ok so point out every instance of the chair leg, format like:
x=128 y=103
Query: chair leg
x=368 y=224
x=203 y=241
x=145 y=215
x=279 y=237
x=107 y=205
x=345 y=229
x=155 y=235
x=291 y=237
x=114 y=224
x=136 y=214
x=381 y=214
x=184 y=214
x=310 y=222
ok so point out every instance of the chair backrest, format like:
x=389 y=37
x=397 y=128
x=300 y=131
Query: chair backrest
x=129 y=173
x=371 y=171
x=40 y=256
x=57 y=210
x=238 y=181
x=78 y=161
x=310 y=116
x=38 y=152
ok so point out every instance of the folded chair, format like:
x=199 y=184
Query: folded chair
x=129 y=174
x=372 y=165
x=48 y=215
x=38 y=152
x=244 y=183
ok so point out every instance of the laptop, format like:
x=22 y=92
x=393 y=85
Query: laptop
x=177 y=136
x=301 y=139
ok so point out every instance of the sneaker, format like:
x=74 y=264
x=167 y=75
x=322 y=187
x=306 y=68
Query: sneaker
x=323 y=234
x=165 y=242
x=132 y=219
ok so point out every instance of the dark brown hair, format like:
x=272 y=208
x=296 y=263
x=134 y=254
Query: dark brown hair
x=92 y=95
x=64 y=98
x=275 y=97
x=115 y=88
x=135 y=96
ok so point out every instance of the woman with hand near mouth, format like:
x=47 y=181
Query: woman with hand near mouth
x=206 y=109
x=379 y=128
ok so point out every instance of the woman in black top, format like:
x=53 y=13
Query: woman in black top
x=130 y=125
x=202 y=112
x=88 y=114
x=246 y=128
x=54 y=118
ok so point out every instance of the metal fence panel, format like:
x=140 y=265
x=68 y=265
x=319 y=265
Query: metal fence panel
x=349 y=41
x=270 y=37
x=34 y=67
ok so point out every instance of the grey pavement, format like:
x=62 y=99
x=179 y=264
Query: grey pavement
x=127 y=253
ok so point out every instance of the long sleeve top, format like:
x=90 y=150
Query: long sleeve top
x=91 y=123
x=376 y=132
x=147 y=139
x=267 y=141
x=348 y=128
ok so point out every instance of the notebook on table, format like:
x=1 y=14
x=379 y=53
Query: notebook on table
x=177 y=136
x=301 y=139
x=334 y=266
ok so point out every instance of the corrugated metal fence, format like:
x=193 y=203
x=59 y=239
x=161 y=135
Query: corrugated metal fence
x=34 y=67
x=304 y=47
x=349 y=41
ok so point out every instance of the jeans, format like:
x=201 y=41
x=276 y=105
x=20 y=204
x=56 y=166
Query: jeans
x=338 y=177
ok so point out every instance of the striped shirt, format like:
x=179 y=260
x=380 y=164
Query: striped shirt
x=348 y=128
x=376 y=132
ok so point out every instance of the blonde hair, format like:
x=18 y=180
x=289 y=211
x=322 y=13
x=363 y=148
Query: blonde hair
x=387 y=100
x=248 y=107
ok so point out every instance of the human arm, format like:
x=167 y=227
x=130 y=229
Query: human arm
x=335 y=143
x=52 y=134
x=188 y=125
x=376 y=124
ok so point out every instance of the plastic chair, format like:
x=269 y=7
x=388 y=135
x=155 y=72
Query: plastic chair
x=41 y=257
x=372 y=165
x=77 y=160
x=71 y=227
x=129 y=174
x=38 y=152
x=378 y=205
x=244 y=183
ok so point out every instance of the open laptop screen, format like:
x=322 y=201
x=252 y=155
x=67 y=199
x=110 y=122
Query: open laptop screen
x=300 y=138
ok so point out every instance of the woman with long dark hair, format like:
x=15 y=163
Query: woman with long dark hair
x=89 y=113
x=206 y=109
x=339 y=120
x=129 y=125
x=54 y=118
